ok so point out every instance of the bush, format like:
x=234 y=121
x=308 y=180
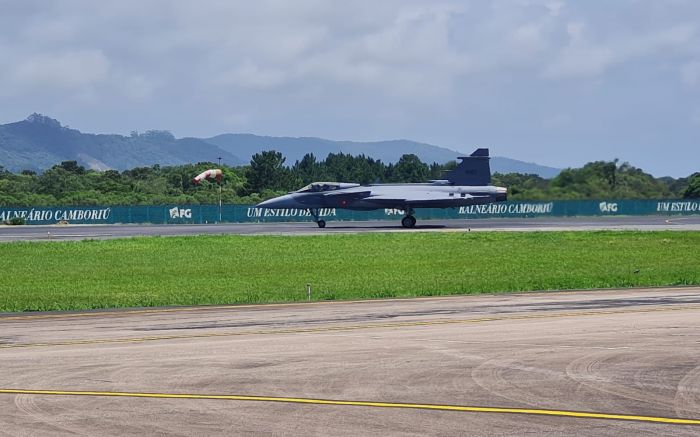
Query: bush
x=16 y=221
x=693 y=190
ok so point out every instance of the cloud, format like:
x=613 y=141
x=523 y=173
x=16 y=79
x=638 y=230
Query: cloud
x=399 y=49
x=443 y=71
x=72 y=69
x=583 y=56
x=250 y=75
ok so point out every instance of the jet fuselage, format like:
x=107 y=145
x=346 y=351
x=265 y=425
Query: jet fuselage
x=379 y=196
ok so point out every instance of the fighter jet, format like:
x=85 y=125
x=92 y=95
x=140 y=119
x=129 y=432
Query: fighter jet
x=467 y=184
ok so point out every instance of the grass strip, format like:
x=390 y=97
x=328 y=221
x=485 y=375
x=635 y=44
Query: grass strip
x=160 y=271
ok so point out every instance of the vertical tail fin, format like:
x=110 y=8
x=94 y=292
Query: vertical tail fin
x=473 y=170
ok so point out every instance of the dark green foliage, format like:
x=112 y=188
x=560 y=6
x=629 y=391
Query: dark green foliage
x=523 y=186
x=14 y=221
x=267 y=172
x=595 y=180
x=693 y=190
x=267 y=175
x=67 y=184
x=410 y=169
x=360 y=169
x=602 y=179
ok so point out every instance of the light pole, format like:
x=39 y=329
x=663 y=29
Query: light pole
x=220 y=182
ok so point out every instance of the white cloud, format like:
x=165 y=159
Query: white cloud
x=584 y=56
x=580 y=61
x=69 y=70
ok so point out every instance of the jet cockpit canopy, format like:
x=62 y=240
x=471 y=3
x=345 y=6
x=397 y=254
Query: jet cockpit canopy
x=318 y=187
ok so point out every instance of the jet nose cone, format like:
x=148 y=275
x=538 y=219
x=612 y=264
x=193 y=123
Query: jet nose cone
x=282 y=202
x=266 y=203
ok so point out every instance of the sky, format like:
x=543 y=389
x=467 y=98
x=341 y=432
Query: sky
x=555 y=82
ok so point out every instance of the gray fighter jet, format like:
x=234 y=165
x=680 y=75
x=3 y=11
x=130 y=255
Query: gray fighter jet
x=467 y=184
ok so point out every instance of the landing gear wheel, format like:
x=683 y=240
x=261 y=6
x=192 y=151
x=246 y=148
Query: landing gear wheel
x=408 y=222
x=321 y=223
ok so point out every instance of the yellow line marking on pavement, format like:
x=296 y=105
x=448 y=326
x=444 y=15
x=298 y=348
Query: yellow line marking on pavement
x=340 y=328
x=472 y=409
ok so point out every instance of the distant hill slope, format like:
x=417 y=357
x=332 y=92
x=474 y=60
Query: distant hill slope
x=508 y=165
x=246 y=145
x=39 y=142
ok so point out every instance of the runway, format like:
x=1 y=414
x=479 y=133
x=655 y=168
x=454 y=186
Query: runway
x=617 y=362
x=77 y=232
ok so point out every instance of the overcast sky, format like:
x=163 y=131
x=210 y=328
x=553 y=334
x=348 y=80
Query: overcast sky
x=555 y=82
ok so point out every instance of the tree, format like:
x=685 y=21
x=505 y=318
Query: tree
x=308 y=170
x=693 y=190
x=60 y=182
x=72 y=167
x=410 y=169
x=522 y=186
x=266 y=171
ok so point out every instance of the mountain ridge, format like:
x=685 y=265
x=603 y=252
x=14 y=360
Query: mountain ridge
x=40 y=142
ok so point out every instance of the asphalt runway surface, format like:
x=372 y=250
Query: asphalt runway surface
x=73 y=232
x=619 y=362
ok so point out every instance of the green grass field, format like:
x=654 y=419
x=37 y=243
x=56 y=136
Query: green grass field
x=248 y=269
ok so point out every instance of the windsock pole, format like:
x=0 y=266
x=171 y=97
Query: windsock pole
x=220 y=179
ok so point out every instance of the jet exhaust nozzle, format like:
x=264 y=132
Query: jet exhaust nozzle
x=501 y=194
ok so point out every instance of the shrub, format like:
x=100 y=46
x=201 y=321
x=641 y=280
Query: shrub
x=16 y=221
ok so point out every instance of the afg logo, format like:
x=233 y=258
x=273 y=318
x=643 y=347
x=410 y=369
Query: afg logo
x=607 y=207
x=176 y=213
x=394 y=211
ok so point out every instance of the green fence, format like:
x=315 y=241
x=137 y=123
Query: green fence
x=248 y=213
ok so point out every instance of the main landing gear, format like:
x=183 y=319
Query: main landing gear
x=409 y=221
x=320 y=222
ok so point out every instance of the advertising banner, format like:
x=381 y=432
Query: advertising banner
x=163 y=214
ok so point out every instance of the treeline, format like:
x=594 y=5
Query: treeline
x=599 y=180
x=269 y=175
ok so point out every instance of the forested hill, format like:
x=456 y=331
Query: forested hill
x=39 y=142
x=268 y=175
